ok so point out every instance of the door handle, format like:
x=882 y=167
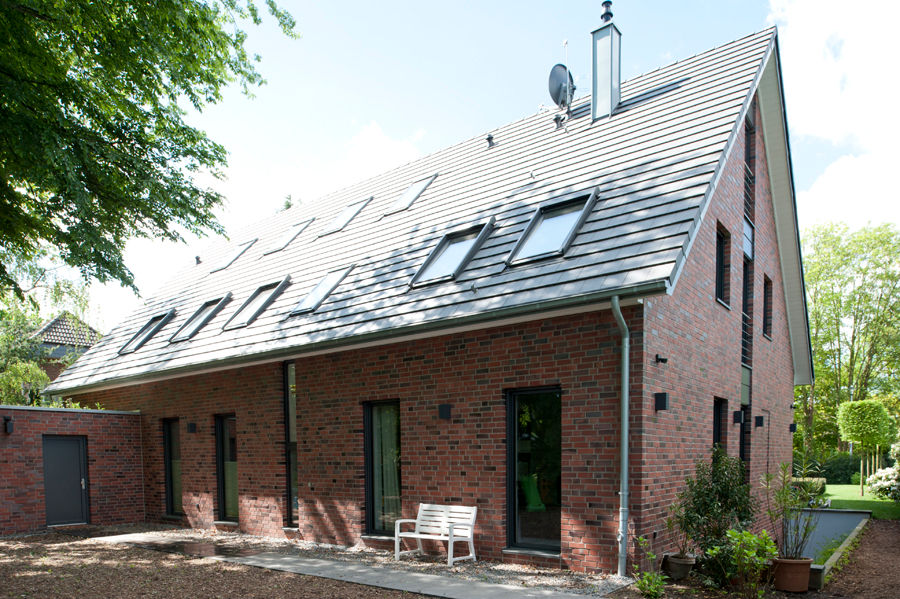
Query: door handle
x=82 y=484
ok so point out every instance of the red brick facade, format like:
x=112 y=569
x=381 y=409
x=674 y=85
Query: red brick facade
x=464 y=459
x=115 y=472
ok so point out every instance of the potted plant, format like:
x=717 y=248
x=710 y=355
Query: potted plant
x=793 y=508
x=680 y=564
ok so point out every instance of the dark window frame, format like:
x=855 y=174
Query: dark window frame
x=276 y=288
x=720 y=418
x=588 y=205
x=723 y=266
x=767 y=308
x=164 y=318
x=220 y=466
x=484 y=231
x=167 y=461
x=219 y=304
x=369 y=465
x=290 y=454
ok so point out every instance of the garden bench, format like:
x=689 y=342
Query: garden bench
x=449 y=523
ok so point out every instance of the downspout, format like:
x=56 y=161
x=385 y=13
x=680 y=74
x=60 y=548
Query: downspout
x=622 y=536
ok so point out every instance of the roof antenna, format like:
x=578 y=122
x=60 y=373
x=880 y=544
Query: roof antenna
x=197 y=258
x=607 y=11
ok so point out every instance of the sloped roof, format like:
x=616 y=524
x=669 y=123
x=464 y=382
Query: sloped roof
x=67 y=329
x=653 y=166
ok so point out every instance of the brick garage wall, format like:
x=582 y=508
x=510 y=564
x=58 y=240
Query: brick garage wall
x=462 y=460
x=114 y=465
x=702 y=340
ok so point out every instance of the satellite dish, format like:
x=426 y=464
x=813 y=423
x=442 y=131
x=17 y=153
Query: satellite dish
x=562 y=87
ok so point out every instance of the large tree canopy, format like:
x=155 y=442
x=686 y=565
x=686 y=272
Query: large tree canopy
x=94 y=148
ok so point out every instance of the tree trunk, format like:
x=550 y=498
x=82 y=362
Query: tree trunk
x=862 y=468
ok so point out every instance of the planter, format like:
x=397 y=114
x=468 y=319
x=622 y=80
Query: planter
x=792 y=575
x=678 y=567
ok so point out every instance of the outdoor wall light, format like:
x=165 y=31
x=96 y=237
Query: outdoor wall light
x=738 y=417
x=444 y=411
x=661 y=360
x=758 y=421
x=661 y=400
x=793 y=427
x=7 y=425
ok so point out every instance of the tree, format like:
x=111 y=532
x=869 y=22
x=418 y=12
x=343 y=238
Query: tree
x=867 y=423
x=853 y=295
x=94 y=148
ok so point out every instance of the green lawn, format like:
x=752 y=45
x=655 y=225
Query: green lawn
x=847 y=497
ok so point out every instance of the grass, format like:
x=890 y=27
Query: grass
x=846 y=497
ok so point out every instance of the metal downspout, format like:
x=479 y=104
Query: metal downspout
x=622 y=536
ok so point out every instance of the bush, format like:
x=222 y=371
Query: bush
x=814 y=487
x=742 y=560
x=854 y=480
x=885 y=483
x=839 y=468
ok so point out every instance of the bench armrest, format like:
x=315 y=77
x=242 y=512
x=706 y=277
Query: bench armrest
x=397 y=524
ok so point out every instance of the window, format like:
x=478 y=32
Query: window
x=767 y=307
x=534 y=490
x=551 y=230
x=346 y=215
x=230 y=258
x=290 y=443
x=411 y=194
x=723 y=264
x=226 y=466
x=746 y=402
x=720 y=415
x=747 y=314
x=452 y=253
x=288 y=236
x=314 y=299
x=147 y=331
x=172 y=458
x=382 y=456
x=203 y=315
x=256 y=304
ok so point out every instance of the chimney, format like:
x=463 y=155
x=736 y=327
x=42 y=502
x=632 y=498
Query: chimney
x=607 y=84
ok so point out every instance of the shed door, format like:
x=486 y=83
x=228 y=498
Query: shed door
x=65 y=480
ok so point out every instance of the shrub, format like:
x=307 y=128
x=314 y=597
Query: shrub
x=650 y=583
x=743 y=559
x=854 y=480
x=885 y=483
x=839 y=468
x=814 y=487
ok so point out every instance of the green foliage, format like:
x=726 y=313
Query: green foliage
x=94 y=148
x=854 y=478
x=810 y=485
x=846 y=497
x=840 y=467
x=828 y=549
x=716 y=499
x=742 y=560
x=21 y=383
x=866 y=422
x=785 y=506
x=650 y=583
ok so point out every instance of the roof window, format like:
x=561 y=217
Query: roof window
x=552 y=229
x=289 y=236
x=314 y=299
x=450 y=256
x=346 y=215
x=230 y=258
x=147 y=331
x=258 y=301
x=200 y=318
x=411 y=194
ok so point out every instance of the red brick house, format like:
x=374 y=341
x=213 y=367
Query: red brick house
x=61 y=340
x=458 y=330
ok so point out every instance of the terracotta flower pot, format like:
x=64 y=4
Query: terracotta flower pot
x=678 y=567
x=792 y=575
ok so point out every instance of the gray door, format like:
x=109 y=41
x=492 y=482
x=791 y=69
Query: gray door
x=65 y=480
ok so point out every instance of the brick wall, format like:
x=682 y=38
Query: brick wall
x=114 y=465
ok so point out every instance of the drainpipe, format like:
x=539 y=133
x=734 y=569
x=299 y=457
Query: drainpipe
x=622 y=536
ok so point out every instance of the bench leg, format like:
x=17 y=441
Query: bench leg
x=397 y=547
x=450 y=552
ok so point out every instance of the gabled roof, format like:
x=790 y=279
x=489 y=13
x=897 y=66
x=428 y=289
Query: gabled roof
x=66 y=329
x=653 y=167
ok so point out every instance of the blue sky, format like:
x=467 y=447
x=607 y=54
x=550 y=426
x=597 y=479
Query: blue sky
x=369 y=86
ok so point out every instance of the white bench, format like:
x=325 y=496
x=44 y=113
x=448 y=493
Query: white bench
x=449 y=523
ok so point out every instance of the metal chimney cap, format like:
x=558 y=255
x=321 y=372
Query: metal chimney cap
x=607 y=11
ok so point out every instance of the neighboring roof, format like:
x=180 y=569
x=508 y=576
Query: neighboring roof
x=66 y=329
x=653 y=166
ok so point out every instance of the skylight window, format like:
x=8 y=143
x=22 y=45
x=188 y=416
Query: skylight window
x=346 y=215
x=256 y=304
x=200 y=318
x=230 y=258
x=147 y=331
x=411 y=194
x=321 y=291
x=552 y=229
x=289 y=236
x=452 y=253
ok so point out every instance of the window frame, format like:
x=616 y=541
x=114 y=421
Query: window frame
x=369 y=464
x=396 y=207
x=537 y=217
x=333 y=228
x=297 y=310
x=277 y=287
x=722 y=259
x=484 y=231
x=220 y=466
x=720 y=419
x=167 y=423
x=164 y=318
x=290 y=453
x=219 y=305
x=300 y=228
x=244 y=246
x=767 y=308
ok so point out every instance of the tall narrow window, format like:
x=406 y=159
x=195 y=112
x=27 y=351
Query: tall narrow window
x=723 y=264
x=226 y=466
x=172 y=459
x=720 y=413
x=747 y=314
x=382 y=438
x=767 y=307
x=290 y=442
x=534 y=445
